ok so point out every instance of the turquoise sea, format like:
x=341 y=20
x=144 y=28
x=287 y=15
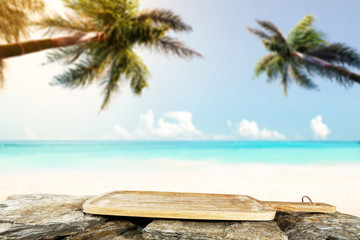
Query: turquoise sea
x=132 y=155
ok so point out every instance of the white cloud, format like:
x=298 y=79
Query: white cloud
x=180 y=126
x=122 y=132
x=321 y=131
x=30 y=134
x=176 y=125
x=251 y=129
x=146 y=124
x=172 y=126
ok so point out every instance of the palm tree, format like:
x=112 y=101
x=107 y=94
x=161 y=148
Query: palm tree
x=100 y=41
x=303 y=54
x=14 y=19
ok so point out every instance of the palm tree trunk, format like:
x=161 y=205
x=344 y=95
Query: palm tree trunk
x=21 y=48
x=324 y=64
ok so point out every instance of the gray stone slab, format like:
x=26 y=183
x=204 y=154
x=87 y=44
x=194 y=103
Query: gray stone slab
x=338 y=226
x=44 y=217
x=61 y=217
x=113 y=229
x=203 y=230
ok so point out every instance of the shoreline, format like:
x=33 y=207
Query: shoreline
x=335 y=184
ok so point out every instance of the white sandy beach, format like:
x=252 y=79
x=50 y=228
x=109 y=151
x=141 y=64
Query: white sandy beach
x=338 y=185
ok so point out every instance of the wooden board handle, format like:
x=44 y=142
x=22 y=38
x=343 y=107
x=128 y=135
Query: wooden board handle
x=300 y=207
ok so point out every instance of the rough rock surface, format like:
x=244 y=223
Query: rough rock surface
x=338 y=226
x=61 y=217
x=107 y=230
x=44 y=217
x=196 y=230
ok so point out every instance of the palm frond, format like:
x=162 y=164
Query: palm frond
x=111 y=82
x=165 y=17
x=85 y=71
x=65 y=24
x=302 y=26
x=285 y=79
x=138 y=73
x=13 y=24
x=307 y=41
x=111 y=87
x=94 y=10
x=338 y=53
x=329 y=73
x=304 y=53
x=261 y=34
x=274 y=68
x=66 y=55
x=169 y=45
x=271 y=28
x=126 y=66
x=104 y=12
x=262 y=65
x=275 y=46
x=304 y=37
x=111 y=59
x=33 y=5
x=78 y=76
x=14 y=18
x=301 y=78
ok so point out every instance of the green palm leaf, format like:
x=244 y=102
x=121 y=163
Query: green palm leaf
x=285 y=80
x=303 y=37
x=65 y=24
x=270 y=27
x=332 y=74
x=169 y=45
x=126 y=65
x=165 y=17
x=137 y=72
x=304 y=25
x=85 y=70
x=301 y=78
x=112 y=82
x=14 y=18
x=109 y=58
x=305 y=52
x=261 y=34
x=66 y=55
x=262 y=65
x=338 y=53
x=274 y=68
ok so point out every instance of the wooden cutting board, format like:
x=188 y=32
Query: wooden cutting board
x=193 y=206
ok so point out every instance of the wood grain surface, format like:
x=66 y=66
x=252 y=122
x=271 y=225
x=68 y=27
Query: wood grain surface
x=179 y=206
x=300 y=207
x=200 y=206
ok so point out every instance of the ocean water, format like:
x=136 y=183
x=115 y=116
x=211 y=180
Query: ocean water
x=135 y=155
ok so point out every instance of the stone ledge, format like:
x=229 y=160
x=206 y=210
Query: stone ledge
x=61 y=217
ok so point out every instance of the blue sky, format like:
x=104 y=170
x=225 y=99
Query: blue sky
x=215 y=97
